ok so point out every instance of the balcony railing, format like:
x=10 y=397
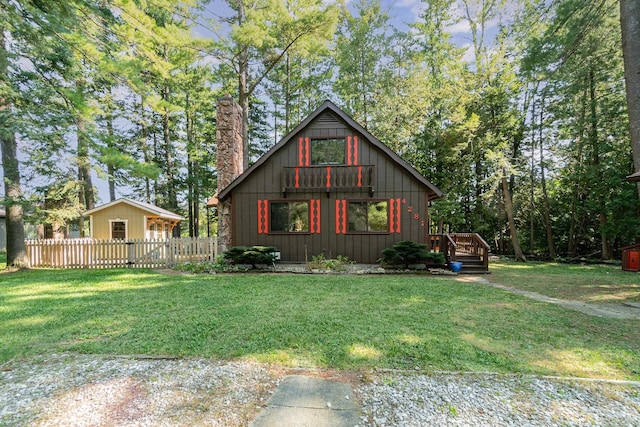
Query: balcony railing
x=328 y=178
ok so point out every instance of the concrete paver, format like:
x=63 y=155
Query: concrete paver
x=301 y=401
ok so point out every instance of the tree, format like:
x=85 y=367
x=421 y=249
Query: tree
x=16 y=249
x=500 y=131
x=576 y=62
x=262 y=33
x=360 y=57
x=630 y=25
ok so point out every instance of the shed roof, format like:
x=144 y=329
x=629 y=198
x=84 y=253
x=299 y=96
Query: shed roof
x=330 y=106
x=155 y=210
x=634 y=177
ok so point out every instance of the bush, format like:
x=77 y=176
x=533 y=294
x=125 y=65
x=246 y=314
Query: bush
x=408 y=252
x=252 y=255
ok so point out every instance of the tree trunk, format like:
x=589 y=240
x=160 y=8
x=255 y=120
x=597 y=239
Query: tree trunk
x=607 y=252
x=111 y=169
x=86 y=195
x=630 y=26
x=145 y=149
x=16 y=249
x=243 y=90
x=508 y=207
x=172 y=194
x=192 y=173
x=545 y=198
x=578 y=187
x=84 y=166
x=287 y=94
x=533 y=183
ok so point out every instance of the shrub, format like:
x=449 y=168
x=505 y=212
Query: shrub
x=252 y=255
x=408 y=252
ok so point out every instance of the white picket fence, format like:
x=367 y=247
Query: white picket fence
x=136 y=253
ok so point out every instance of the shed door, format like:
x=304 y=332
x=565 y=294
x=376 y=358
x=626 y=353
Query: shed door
x=634 y=260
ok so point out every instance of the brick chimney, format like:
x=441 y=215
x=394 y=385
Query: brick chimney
x=230 y=155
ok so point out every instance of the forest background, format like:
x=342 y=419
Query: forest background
x=516 y=109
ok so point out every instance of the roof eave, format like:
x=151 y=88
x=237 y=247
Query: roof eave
x=160 y=213
x=634 y=177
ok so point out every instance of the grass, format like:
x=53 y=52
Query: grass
x=588 y=283
x=3 y=260
x=349 y=322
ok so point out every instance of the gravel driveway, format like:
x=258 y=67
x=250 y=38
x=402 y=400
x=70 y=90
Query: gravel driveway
x=82 y=390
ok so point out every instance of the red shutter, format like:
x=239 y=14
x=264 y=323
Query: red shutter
x=355 y=151
x=394 y=215
x=352 y=150
x=263 y=216
x=315 y=216
x=304 y=156
x=307 y=152
x=341 y=216
x=300 y=151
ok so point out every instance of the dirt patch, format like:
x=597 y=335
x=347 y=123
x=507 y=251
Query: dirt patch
x=120 y=401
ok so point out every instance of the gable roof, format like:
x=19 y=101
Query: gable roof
x=331 y=107
x=162 y=213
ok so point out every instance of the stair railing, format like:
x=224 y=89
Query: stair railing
x=472 y=244
x=445 y=244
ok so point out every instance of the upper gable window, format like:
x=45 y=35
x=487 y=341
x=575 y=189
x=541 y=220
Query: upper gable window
x=328 y=151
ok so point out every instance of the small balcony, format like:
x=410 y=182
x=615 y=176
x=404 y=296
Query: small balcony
x=328 y=178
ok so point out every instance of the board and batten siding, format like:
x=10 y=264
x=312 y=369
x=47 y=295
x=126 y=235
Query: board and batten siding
x=392 y=182
x=135 y=218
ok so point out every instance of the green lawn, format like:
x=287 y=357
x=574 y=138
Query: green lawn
x=588 y=283
x=3 y=260
x=351 y=322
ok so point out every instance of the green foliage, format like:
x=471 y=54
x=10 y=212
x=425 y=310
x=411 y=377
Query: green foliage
x=218 y=266
x=252 y=255
x=320 y=262
x=407 y=252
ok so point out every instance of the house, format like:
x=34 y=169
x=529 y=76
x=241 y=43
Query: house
x=130 y=219
x=328 y=187
x=3 y=230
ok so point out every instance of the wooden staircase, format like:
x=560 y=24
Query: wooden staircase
x=468 y=248
x=472 y=264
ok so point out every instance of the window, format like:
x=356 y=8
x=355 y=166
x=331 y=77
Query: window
x=328 y=151
x=368 y=216
x=118 y=229
x=290 y=217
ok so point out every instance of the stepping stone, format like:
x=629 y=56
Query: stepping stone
x=310 y=402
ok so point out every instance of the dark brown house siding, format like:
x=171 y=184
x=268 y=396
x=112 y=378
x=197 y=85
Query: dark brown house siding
x=372 y=173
